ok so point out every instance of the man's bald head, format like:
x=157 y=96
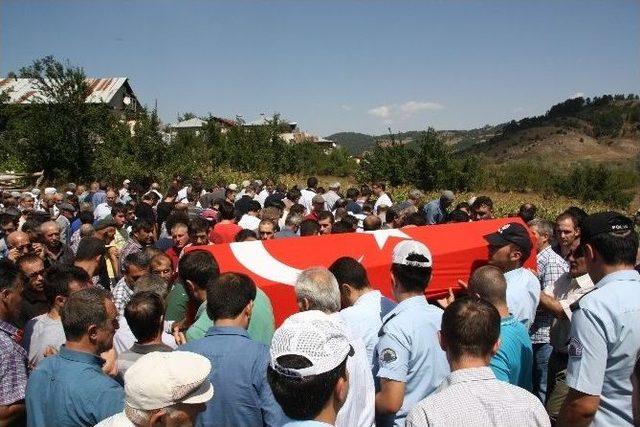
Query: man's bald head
x=489 y=283
x=371 y=222
x=49 y=226
x=17 y=239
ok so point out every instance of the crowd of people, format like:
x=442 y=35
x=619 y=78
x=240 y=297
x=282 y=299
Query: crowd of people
x=106 y=318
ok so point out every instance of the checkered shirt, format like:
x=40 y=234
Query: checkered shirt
x=551 y=267
x=13 y=365
x=121 y=295
x=474 y=397
x=131 y=247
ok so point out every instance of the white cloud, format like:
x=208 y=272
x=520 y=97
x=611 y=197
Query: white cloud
x=577 y=95
x=346 y=107
x=404 y=111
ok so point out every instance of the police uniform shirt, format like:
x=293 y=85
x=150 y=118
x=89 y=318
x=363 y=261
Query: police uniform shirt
x=409 y=352
x=604 y=344
x=523 y=295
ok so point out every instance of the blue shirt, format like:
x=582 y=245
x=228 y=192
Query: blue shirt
x=239 y=377
x=514 y=360
x=70 y=389
x=523 y=294
x=409 y=352
x=434 y=213
x=604 y=344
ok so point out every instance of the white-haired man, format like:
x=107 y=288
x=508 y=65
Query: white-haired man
x=317 y=289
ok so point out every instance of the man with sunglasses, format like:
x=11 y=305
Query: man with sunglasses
x=556 y=299
x=34 y=301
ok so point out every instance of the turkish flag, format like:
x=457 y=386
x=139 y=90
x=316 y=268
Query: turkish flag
x=457 y=250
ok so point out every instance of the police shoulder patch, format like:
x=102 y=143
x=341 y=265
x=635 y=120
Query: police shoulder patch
x=388 y=355
x=575 y=347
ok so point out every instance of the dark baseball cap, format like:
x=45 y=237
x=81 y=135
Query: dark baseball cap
x=512 y=232
x=604 y=222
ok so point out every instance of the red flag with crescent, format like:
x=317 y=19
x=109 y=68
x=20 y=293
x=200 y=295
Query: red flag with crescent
x=457 y=249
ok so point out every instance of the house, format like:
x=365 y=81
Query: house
x=193 y=124
x=113 y=91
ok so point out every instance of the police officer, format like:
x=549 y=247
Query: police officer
x=411 y=364
x=605 y=327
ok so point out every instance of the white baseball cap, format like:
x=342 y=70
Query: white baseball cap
x=126 y=181
x=232 y=187
x=246 y=183
x=50 y=190
x=412 y=253
x=313 y=335
x=161 y=379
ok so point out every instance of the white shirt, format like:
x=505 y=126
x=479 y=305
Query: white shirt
x=249 y=222
x=364 y=319
x=117 y=420
x=360 y=407
x=384 y=199
x=305 y=199
x=124 y=338
x=41 y=332
x=474 y=397
x=262 y=197
x=523 y=294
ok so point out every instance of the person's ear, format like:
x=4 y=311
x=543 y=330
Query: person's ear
x=92 y=332
x=97 y=259
x=441 y=340
x=589 y=252
x=59 y=300
x=157 y=417
x=303 y=304
x=341 y=390
x=515 y=254
x=496 y=347
x=249 y=309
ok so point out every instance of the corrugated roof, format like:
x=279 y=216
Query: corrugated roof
x=24 y=91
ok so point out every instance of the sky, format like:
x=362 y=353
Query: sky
x=332 y=66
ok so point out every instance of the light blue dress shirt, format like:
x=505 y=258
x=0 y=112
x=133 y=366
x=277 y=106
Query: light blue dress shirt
x=604 y=344
x=408 y=351
x=365 y=320
x=523 y=295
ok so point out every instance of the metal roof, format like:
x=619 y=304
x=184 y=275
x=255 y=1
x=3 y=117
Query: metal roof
x=195 y=122
x=24 y=91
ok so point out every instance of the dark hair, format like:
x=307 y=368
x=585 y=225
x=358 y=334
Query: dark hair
x=324 y=215
x=578 y=214
x=144 y=313
x=245 y=234
x=226 y=211
x=412 y=279
x=200 y=267
x=6 y=218
x=312 y=182
x=254 y=206
x=27 y=259
x=89 y=248
x=10 y=275
x=57 y=279
x=350 y=271
x=309 y=227
x=141 y=224
x=197 y=225
x=616 y=247
x=297 y=208
x=118 y=208
x=139 y=259
x=458 y=215
x=415 y=218
x=302 y=398
x=294 y=194
x=342 y=227
x=470 y=326
x=527 y=212
x=462 y=205
x=228 y=295
x=482 y=201
x=174 y=219
x=83 y=309
x=352 y=193
x=371 y=222
x=379 y=184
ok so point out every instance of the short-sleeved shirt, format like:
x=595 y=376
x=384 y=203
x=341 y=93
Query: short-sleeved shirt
x=13 y=365
x=384 y=199
x=434 y=213
x=70 y=389
x=523 y=294
x=514 y=360
x=604 y=344
x=551 y=267
x=42 y=332
x=261 y=325
x=364 y=318
x=177 y=302
x=409 y=352
x=239 y=376
x=474 y=397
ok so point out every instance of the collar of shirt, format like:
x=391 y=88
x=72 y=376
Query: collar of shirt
x=546 y=252
x=471 y=374
x=227 y=330
x=8 y=328
x=508 y=320
x=368 y=297
x=417 y=301
x=148 y=348
x=81 y=357
x=584 y=281
x=622 y=275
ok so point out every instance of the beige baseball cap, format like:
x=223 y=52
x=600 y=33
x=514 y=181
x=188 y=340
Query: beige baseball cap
x=161 y=379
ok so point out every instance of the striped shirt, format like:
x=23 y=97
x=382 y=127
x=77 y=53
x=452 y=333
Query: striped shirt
x=551 y=267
